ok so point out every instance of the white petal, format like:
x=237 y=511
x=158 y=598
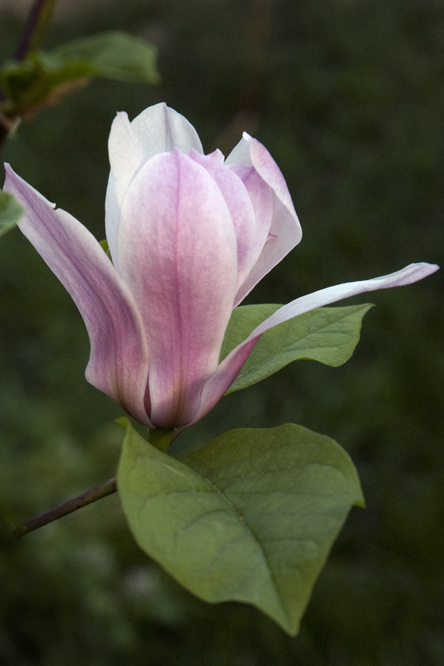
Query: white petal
x=232 y=364
x=160 y=129
x=317 y=299
x=126 y=157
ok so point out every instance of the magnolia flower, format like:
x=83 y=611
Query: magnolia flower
x=189 y=235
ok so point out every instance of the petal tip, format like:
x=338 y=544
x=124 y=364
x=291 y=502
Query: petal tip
x=11 y=178
x=419 y=270
x=8 y=170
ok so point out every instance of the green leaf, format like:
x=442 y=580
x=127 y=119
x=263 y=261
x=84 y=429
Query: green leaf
x=249 y=517
x=43 y=77
x=38 y=81
x=327 y=335
x=10 y=212
x=113 y=55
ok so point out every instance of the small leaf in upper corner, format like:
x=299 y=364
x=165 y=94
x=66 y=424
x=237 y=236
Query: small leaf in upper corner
x=113 y=55
x=45 y=76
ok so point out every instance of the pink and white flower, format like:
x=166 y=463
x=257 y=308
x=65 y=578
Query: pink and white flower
x=189 y=235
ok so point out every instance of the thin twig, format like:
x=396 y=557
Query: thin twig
x=38 y=17
x=3 y=134
x=88 y=497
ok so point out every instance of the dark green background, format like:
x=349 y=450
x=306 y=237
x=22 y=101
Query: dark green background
x=348 y=96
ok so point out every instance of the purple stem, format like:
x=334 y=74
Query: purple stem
x=88 y=497
x=31 y=26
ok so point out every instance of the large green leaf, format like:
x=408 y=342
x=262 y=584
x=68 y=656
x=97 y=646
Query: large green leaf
x=328 y=335
x=43 y=76
x=10 y=212
x=249 y=517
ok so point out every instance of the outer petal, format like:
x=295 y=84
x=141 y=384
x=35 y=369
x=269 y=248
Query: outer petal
x=118 y=363
x=181 y=266
x=285 y=227
x=231 y=365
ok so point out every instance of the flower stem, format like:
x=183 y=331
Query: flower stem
x=35 y=24
x=88 y=497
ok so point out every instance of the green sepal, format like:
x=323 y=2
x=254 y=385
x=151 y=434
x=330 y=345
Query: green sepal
x=105 y=247
x=10 y=212
x=327 y=335
x=249 y=517
x=160 y=438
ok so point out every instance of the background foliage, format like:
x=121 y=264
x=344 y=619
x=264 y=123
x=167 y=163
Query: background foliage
x=348 y=97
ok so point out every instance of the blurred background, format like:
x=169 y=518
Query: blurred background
x=348 y=96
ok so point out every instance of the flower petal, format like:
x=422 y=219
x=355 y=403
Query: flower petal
x=126 y=156
x=160 y=129
x=118 y=363
x=232 y=364
x=261 y=196
x=285 y=229
x=177 y=254
x=112 y=217
x=240 y=207
x=157 y=129
x=408 y=275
